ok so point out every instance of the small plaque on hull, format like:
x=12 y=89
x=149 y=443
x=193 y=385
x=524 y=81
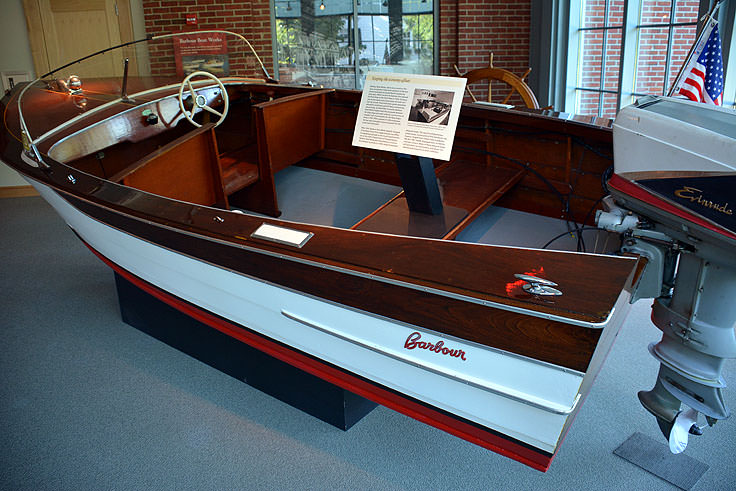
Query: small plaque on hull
x=282 y=235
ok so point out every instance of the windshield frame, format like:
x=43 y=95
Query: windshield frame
x=28 y=140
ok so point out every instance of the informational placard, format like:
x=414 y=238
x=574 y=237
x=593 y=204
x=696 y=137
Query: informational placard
x=412 y=114
x=204 y=51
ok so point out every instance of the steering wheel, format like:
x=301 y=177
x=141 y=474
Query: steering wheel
x=200 y=101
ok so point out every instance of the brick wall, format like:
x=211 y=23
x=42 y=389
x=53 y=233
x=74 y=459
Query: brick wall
x=251 y=18
x=471 y=29
x=448 y=37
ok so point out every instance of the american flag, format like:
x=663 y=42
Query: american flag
x=703 y=82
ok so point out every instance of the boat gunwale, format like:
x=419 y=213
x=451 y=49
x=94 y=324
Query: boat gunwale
x=420 y=283
x=285 y=252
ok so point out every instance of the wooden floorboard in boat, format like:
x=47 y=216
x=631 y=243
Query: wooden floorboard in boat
x=467 y=189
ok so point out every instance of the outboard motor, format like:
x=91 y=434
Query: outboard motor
x=672 y=197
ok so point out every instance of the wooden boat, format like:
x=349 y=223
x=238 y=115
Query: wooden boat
x=497 y=344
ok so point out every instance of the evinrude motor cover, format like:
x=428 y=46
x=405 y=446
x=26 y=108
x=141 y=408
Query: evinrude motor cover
x=674 y=195
x=683 y=153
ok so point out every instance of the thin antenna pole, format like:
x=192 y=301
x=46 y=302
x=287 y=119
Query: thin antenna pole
x=124 y=90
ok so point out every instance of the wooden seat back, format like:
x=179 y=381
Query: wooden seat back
x=289 y=129
x=186 y=169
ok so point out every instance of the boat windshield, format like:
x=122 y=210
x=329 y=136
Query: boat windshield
x=132 y=73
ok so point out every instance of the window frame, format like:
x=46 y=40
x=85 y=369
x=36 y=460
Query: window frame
x=356 y=64
x=555 y=50
x=575 y=55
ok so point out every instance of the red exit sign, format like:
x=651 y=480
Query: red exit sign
x=191 y=19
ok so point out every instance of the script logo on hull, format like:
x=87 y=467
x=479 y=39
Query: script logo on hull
x=413 y=342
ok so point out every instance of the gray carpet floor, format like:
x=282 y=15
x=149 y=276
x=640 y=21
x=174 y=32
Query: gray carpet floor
x=88 y=402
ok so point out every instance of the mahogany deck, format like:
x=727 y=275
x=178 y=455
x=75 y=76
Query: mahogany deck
x=543 y=339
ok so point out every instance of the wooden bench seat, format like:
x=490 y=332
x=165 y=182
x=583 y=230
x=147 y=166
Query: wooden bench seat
x=239 y=176
x=467 y=189
x=239 y=169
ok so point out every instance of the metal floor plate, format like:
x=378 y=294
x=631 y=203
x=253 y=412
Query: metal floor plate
x=655 y=457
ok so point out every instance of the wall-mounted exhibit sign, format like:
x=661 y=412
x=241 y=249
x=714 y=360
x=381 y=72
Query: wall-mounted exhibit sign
x=201 y=51
x=412 y=114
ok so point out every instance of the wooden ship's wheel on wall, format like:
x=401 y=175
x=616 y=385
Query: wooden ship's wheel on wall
x=515 y=86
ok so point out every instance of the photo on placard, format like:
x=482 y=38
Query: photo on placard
x=431 y=106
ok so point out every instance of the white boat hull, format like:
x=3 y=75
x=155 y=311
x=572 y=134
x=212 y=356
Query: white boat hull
x=527 y=400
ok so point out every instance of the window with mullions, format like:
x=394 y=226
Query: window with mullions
x=623 y=49
x=600 y=37
x=315 y=40
x=667 y=30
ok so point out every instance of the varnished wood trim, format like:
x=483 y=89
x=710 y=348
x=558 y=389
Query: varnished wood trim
x=293 y=97
x=17 y=191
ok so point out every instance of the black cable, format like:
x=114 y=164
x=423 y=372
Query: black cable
x=147 y=38
x=580 y=230
x=526 y=166
x=592 y=149
x=604 y=179
x=590 y=212
x=581 y=243
x=563 y=200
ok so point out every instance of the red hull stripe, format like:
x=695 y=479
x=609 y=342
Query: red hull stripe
x=535 y=458
x=638 y=192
